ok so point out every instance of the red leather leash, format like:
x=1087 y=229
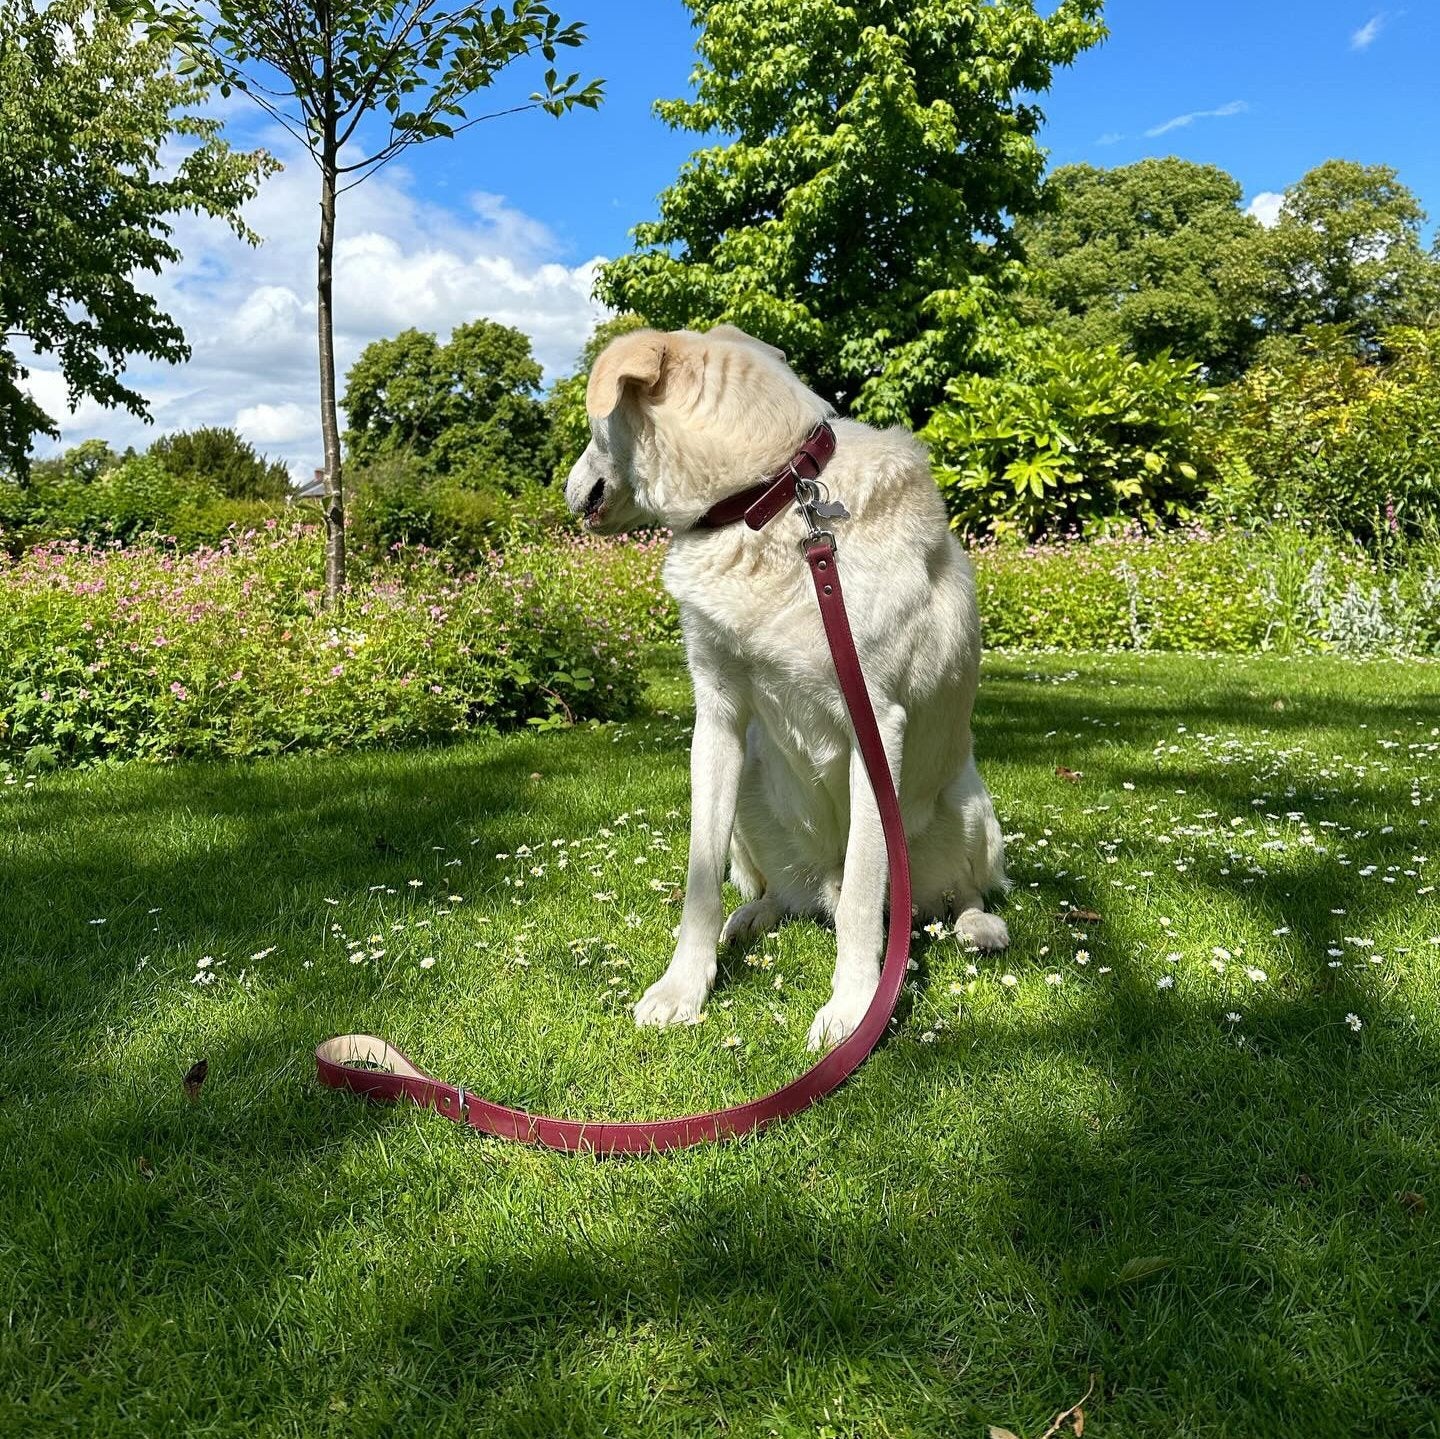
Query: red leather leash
x=366 y=1065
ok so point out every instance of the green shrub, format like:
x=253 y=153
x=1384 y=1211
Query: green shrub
x=136 y=496
x=92 y=496
x=400 y=503
x=220 y=457
x=150 y=653
x=1066 y=437
x=1319 y=431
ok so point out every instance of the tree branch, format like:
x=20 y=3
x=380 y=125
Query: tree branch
x=383 y=157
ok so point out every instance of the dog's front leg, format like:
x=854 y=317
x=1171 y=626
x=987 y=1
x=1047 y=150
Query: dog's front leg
x=860 y=915
x=716 y=755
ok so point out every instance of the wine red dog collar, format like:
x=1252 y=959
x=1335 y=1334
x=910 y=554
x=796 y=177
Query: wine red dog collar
x=366 y=1065
x=758 y=505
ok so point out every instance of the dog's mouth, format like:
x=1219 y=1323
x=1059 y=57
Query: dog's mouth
x=594 y=509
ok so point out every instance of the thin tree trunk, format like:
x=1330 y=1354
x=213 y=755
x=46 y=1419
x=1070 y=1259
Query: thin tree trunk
x=329 y=422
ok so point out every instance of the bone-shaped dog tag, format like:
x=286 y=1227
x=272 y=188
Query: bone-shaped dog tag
x=831 y=510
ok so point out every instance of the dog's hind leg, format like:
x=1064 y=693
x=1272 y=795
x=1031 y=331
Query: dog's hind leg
x=745 y=874
x=982 y=867
x=758 y=917
x=765 y=903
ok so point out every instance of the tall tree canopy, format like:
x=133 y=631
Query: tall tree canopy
x=874 y=153
x=85 y=106
x=1346 y=251
x=470 y=408
x=1152 y=256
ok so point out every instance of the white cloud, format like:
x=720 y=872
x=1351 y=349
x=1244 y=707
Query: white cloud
x=1266 y=207
x=249 y=314
x=1179 y=122
x=1366 y=35
x=275 y=424
x=1111 y=137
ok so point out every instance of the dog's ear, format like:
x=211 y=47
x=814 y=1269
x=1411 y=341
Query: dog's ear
x=637 y=358
x=734 y=332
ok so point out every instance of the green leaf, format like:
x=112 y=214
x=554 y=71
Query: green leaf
x=1136 y=1270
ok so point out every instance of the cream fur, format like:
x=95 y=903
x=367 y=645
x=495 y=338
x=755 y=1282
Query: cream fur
x=678 y=422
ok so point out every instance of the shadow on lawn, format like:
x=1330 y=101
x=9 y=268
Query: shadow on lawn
x=1016 y=717
x=970 y=1267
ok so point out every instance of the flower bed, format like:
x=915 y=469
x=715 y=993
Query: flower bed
x=144 y=652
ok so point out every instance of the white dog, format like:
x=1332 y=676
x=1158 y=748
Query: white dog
x=678 y=422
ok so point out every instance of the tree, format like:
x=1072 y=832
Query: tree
x=470 y=408
x=1153 y=256
x=1346 y=251
x=410 y=67
x=81 y=464
x=85 y=108
x=224 y=459
x=874 y=154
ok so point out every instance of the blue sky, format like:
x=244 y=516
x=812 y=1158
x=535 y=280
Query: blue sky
x=510 y=219
x=1274 y=86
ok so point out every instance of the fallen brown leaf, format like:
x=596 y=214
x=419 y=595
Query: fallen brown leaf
x=147 y=1170
x=1081 y=916
x=1073 y=775
x=1415 y=1203
x=1074 y=1416
x=194 y=1078
x=996 y=1432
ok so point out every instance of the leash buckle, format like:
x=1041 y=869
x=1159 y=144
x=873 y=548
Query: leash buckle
x=812 y=499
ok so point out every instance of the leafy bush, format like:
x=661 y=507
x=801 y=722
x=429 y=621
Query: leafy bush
x=223 y=459
x=1065 y=437
x=144 y=652
x=400 y=503
x=1318 y=431
x=92 y=496
x=1281 y=589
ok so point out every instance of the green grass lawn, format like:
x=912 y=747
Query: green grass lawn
x=1152 y=1149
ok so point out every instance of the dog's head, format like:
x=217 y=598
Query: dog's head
x=678 y=421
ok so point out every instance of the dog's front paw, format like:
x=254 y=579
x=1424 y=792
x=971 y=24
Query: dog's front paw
x=672 y=999
x=838 y=1020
